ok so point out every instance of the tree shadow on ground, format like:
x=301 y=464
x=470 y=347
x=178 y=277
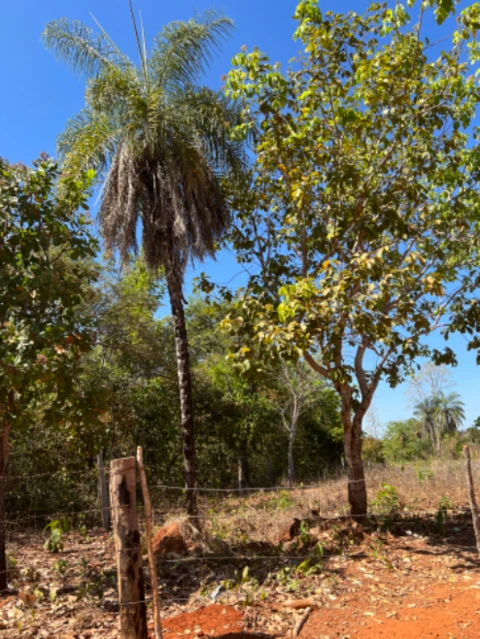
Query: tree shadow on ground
x=227 y=569
x=447 y=534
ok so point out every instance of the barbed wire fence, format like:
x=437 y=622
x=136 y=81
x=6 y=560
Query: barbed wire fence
x=234 y=559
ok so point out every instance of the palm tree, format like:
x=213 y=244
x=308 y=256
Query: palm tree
x=450 y=412
x=160 y=143
x=426 y=411
x=440 y=414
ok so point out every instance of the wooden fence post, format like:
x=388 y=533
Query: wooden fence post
x=149 y=534
x=131 y=590
x=103 y=490
x=471 y=496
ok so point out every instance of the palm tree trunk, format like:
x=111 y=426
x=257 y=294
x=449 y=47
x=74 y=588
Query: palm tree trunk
x=174 y=284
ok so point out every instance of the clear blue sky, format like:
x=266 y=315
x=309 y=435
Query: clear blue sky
x=39 y=94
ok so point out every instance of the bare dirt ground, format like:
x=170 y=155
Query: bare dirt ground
x=410 y=575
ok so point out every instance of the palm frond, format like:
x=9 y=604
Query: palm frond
x=77 y=45
x=115 y=48
x=164 y=145
x=214 y=116
x=184 y=50
x=141 y=49
x=115 y=91
x=89 y=141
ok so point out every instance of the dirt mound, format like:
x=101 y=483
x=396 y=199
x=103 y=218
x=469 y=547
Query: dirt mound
x=444 y=612
x=212 y=621
x=169 y=540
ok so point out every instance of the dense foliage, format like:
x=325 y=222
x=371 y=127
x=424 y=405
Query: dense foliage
x=130 y=376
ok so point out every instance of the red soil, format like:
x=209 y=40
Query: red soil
x=442 y=611
x=447 y=611
x=213 y=621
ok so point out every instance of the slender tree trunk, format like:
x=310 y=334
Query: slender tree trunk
x=174 y=284
x=243 y=469
x=291 y=445
x=103 y=491
x=438 y=444
x=352 y=442
x=4 y=437
x=241 y=475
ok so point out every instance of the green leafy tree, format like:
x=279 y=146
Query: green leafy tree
x=403 y=441
x=46 y=250
x=161 y=142
x=373 y=450
x=245 y=415
x=474 y=431
x=236 y=414
x=257 y=421
x=362 y=210
x=134 y=358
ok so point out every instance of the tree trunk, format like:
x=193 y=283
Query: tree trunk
x=243 y=469
x=438 y=442
x=291 y=462
x=4 y=435
x=241 y=475
x=103 y=492
x=175 y=292
x=352 y=442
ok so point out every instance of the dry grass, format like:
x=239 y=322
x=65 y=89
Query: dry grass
x=267 y=515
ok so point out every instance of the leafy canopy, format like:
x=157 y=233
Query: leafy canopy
x=46 y=249
x=360 y=224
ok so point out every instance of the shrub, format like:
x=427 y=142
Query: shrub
x=387 y=504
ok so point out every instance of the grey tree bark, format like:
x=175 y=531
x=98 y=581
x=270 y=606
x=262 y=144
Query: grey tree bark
x=243 y=469
x=301 y=386
x=103 y=492
x=291 y=447
x=174 y=285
